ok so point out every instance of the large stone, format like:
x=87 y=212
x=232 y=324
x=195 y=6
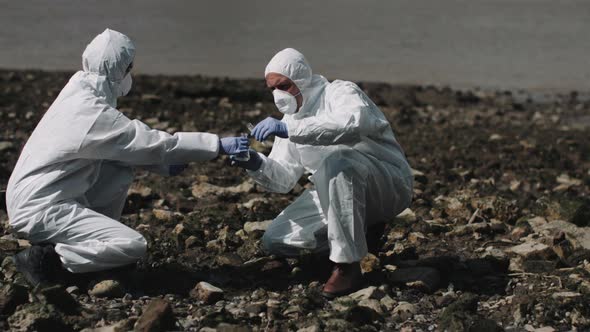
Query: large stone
x=579 y=236
x=256 y=226
x=370 y=263
x=4 y=145
x=201 y=190
x=462 y=315
x=163 y=215
x=407 y=216
x=157 y=316
x=426 y=279
x=39 y=317
x=206 y=293
x=530 y=250
x=229 y=259
x=107 y=289
x=404 y=311
x=121 y=326
x=370 y=292
x=372 y=304
x=8 y=245
x=362 y=315
x=11 y=296
x=61 y=299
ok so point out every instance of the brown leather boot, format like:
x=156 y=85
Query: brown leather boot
x=345 y=279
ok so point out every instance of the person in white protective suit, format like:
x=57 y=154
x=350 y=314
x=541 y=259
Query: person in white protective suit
x=359 y=171
x=70 y=183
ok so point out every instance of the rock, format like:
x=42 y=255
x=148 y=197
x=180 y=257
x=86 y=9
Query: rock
x=229 y=259
x=495 y=137
x=250 y=204
x=151 y=98
x=337 y=324
x=404 y=311
x=343 y=303
x=388 y=303
x=139 y=190
x=417 y=238
x=6 y=145
x=9 y=245
x=407 y=216
x=206 y=293
x=191 y=242
x=255 y=308
x=225 y=327
x=61 y=299
x=461 y=315
x=578 y=236
x=362 y=315
x=520 y=230
x=539 y=266
x=530 y=250
x=372 y=304
x=565 y=296
x=312 y=328
x=201 y=190
x=74 y=290
x=565 y=182
x=107 y=289
x=545 y=329
x=23 y=244
x=11 y=296
x=370 y=263
x=39 y=317
x=419 y=176
x=581 y=217
x=370 y=292
x=426 y=279
x=256 y=226
x=121 y=326
x=163 y=215
x=157 y=316
x=537 y=223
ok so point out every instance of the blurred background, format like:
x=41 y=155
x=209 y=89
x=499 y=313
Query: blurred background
x=511 y=44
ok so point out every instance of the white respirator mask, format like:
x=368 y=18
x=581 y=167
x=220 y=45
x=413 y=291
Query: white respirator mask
x=124 y=86
x=286 y=102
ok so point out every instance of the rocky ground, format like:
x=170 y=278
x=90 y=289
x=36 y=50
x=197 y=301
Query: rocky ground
x=497 y=237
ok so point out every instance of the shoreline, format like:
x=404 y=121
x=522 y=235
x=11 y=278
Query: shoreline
x=539 y=95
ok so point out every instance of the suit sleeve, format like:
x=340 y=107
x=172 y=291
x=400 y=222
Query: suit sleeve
x=347 y=117
x=113 y=136
x=281 y=170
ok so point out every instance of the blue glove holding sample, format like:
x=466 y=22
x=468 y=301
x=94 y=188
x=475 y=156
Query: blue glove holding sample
x=176 y=169
x=270 y=126
x=233 y=145
x=253 y=164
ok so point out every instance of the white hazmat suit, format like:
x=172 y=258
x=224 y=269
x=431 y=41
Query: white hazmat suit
x=360 y=173
x=71 y=179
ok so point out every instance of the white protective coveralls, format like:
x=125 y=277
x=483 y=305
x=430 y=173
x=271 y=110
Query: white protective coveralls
x=360 y=173
x=71 y=179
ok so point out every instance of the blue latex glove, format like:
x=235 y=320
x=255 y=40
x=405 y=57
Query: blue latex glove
x=253 y=164
x=176 y=169
x=233 y=145
x=270 y=126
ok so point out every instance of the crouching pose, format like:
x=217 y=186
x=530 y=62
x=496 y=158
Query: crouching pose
x=359 y=171
x=70 y=183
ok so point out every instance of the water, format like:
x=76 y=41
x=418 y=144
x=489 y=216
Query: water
x=532 y=44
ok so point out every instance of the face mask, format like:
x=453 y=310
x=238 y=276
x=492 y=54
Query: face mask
x=286 y=102
x=125 y=86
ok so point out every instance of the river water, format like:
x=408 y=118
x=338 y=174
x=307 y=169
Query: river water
x=532 y=44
